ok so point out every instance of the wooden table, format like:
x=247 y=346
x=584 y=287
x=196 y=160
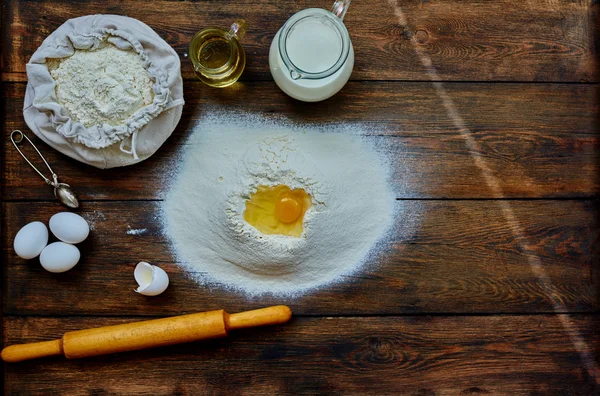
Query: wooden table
x=493 y=271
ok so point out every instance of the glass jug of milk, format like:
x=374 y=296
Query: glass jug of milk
x=311 y=57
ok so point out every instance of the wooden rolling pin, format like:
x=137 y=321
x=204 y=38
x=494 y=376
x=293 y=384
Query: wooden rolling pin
x=147 y=334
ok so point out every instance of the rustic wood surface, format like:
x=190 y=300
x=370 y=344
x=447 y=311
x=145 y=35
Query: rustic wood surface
x=452 y=305
x=505 y=355
x=536 y=148
x=474 y=40
x=444 y=257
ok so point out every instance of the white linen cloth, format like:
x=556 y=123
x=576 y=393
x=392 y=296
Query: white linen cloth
x=105 y=146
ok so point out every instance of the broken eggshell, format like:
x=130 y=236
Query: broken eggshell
x=151 y=279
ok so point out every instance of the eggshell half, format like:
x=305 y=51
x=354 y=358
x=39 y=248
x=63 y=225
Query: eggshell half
x=59 y=257
x=151 y=279
x=69 y=227
x=31 y=240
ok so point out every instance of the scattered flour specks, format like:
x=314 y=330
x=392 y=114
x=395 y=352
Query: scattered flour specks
x=136 y=231
x=93 y=217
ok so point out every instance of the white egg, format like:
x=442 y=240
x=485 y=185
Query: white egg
x=69 y=227
x=59 y=257
x=151 y=279
x=31 y=240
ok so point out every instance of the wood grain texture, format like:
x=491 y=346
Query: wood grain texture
x=449 y=306
x=442 y=256
x=477 y=40
x=503 y=355
x=535 y=147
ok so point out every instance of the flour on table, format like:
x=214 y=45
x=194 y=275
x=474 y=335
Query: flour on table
x=226 y=160
x=136 y=231
x=103 y=86
x=93 y=218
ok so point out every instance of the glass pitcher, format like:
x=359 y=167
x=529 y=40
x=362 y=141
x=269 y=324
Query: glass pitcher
x=311 y=57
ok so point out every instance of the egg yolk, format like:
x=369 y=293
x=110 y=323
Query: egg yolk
x=287 y=209
x=277 y=210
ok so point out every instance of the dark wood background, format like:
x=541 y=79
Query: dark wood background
x=452 y=307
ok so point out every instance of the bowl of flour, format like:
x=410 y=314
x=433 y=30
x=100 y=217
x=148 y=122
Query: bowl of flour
x=105 y=90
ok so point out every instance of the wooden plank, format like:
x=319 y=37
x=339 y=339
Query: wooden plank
x=538 y=140
x=500 y=355
x=467 y=40
x=442 y=256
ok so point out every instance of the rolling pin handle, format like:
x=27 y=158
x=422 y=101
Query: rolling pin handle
x=20 y=352
x=259 y=317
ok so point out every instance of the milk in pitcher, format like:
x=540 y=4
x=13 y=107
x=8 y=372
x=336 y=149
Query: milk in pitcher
x=311 y=57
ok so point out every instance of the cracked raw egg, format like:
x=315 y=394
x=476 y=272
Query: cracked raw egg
x=277 y=210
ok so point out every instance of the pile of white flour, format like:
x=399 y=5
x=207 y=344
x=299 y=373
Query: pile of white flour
x=225 y=161
x=104 y=86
